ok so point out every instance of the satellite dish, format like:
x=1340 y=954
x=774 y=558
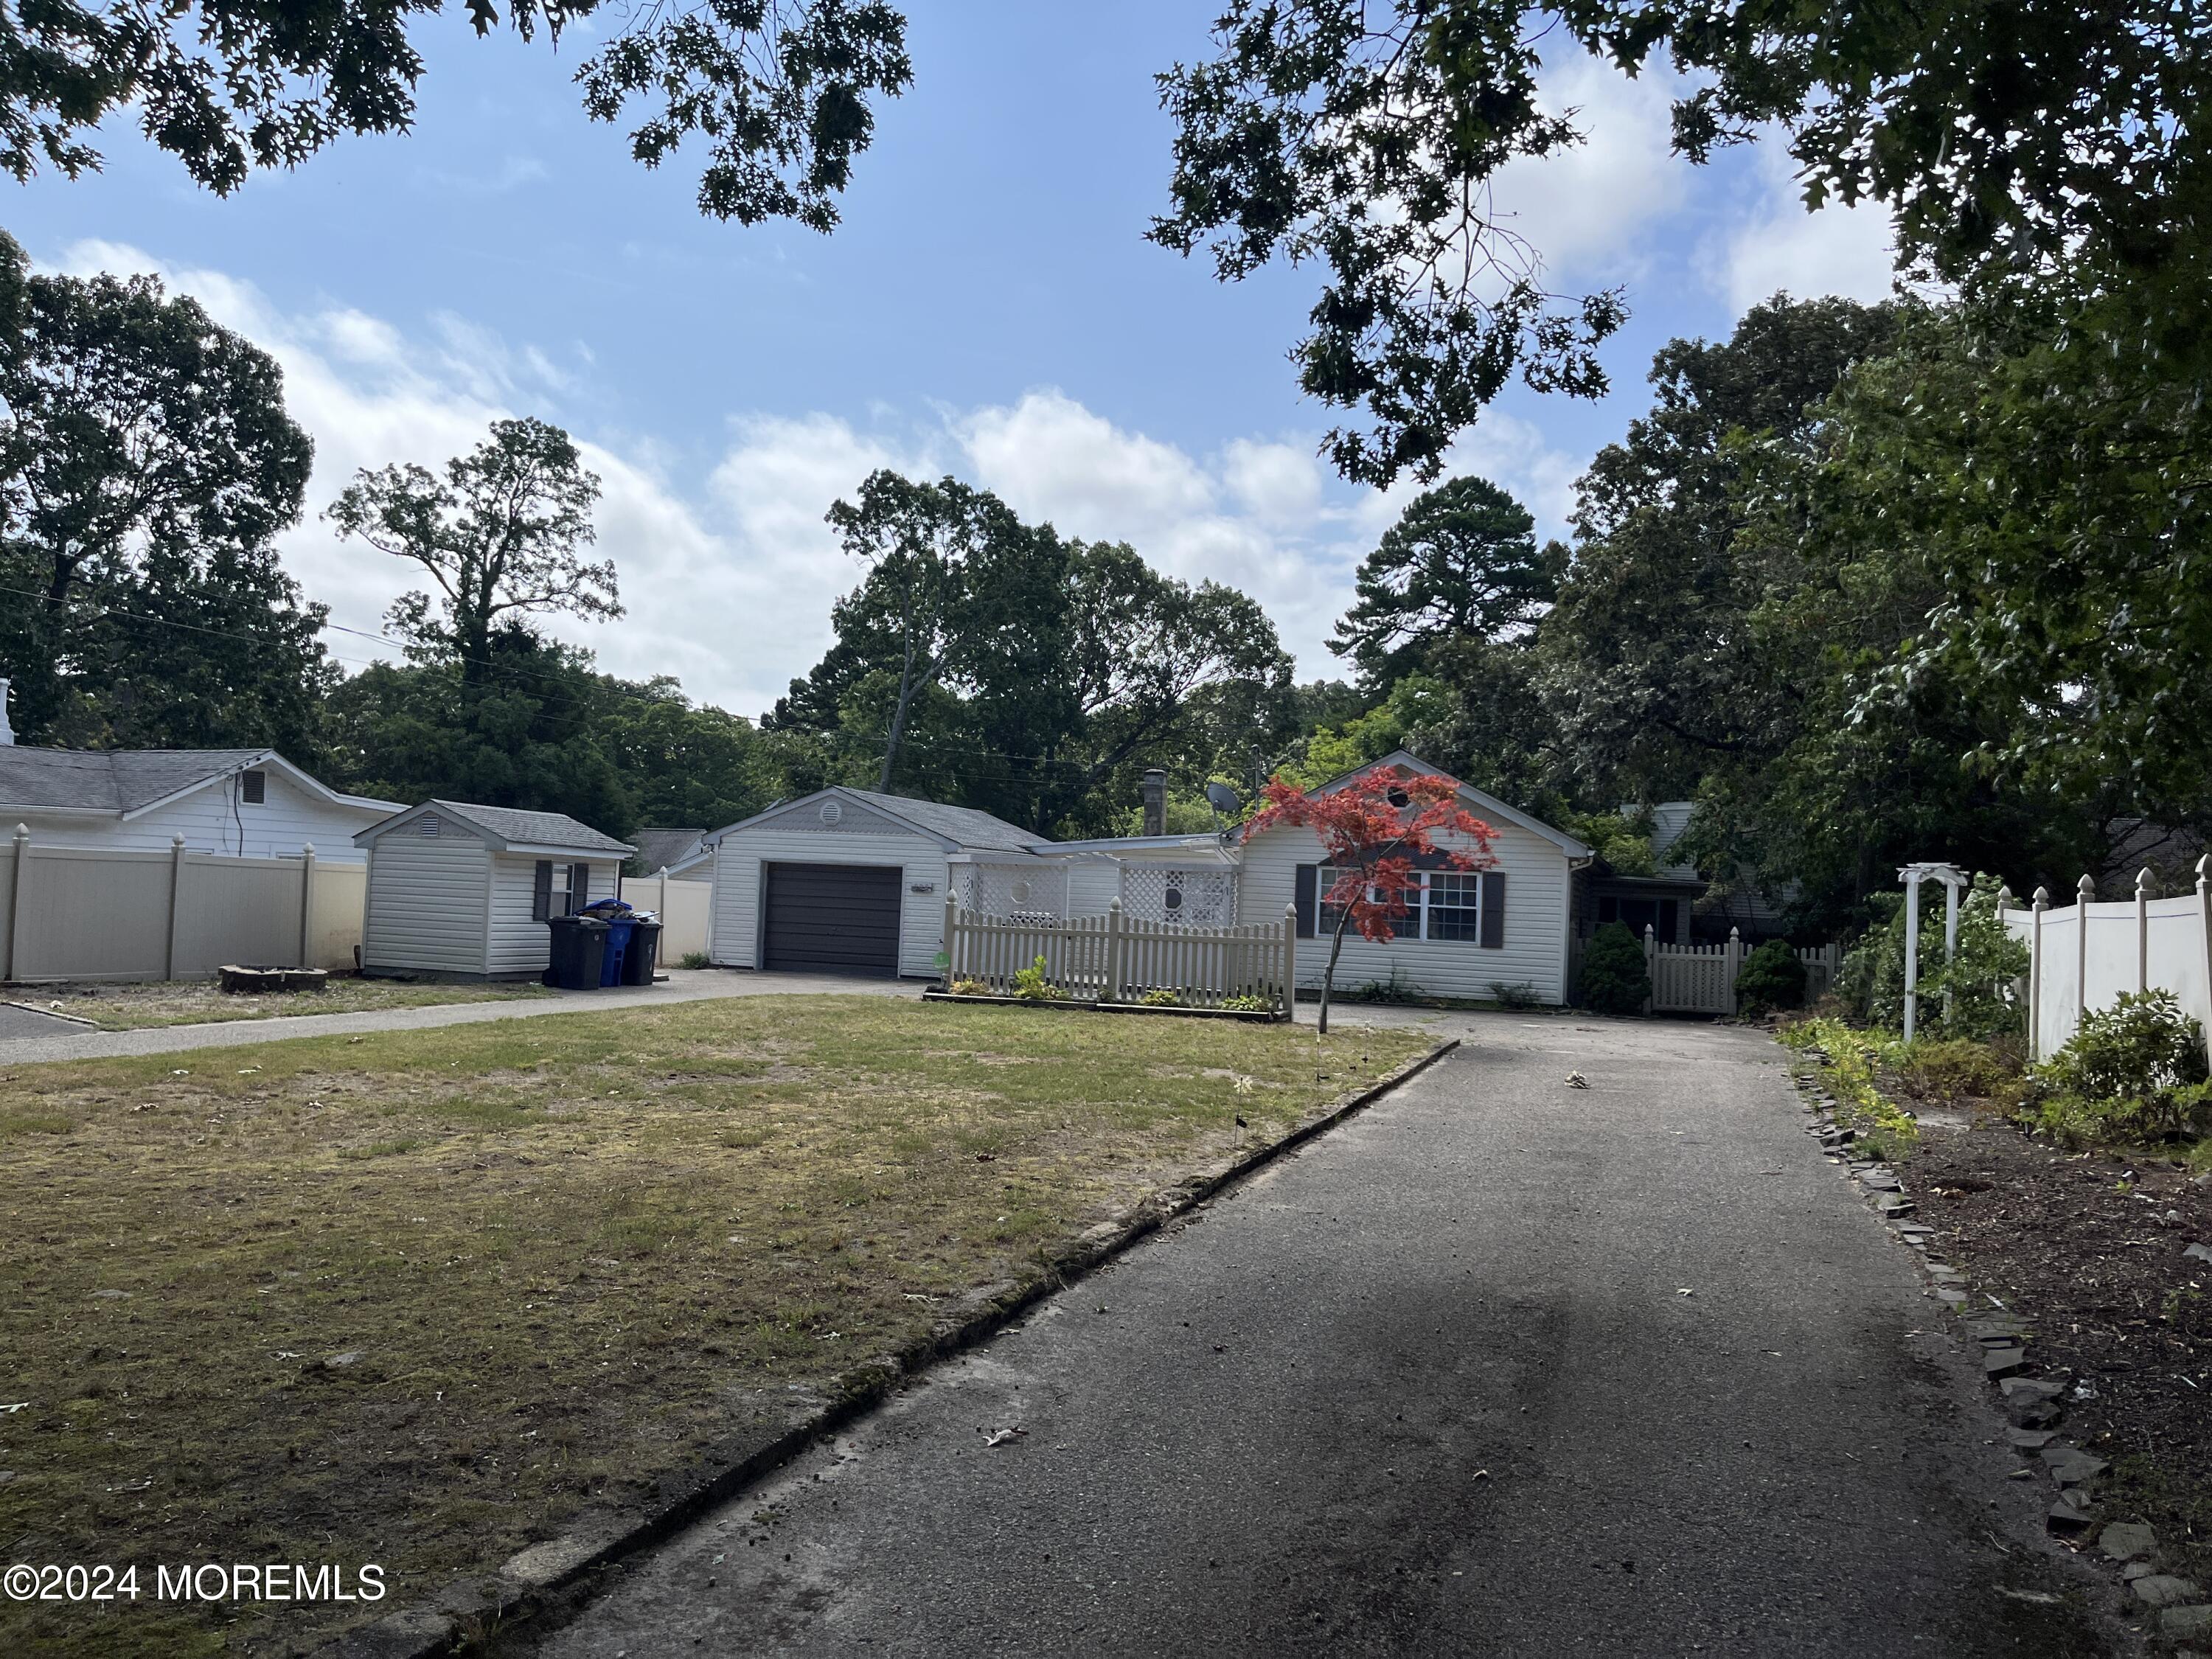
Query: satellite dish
x=1222 y=800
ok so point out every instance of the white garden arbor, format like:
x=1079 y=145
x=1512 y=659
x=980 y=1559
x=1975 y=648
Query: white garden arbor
x=1953 y=879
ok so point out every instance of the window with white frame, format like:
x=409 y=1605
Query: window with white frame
x=1442 y=905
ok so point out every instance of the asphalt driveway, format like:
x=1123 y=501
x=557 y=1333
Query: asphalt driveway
x=1500 y=1368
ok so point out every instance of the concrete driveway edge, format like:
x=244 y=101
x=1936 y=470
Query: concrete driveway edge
x=436 y=1626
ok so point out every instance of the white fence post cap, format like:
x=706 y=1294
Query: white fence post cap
x=2086 y=887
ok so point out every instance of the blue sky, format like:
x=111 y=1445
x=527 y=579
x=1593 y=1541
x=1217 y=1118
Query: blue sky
x=989 y=307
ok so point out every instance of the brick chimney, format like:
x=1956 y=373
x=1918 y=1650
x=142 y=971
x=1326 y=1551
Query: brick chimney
x=1155 y=802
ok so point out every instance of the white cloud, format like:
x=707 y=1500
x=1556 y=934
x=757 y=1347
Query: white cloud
x=728 y=581
x=1775 y=246
x=1585 y=211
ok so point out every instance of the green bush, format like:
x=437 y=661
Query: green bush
x=1030 y=984
x=1252 y=1003
x=1770 y=978
x=1850 y=1061
x=693 y=959
x=1984 y=1002
x=1951 y=1072
x=1520 y=994
x=1395 y=989
x=1614 y=978
x=1160 y=996
x=2133 y=1072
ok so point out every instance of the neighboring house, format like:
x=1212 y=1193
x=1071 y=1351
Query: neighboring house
x=249 y=803
x=1470 y=930
x=460 y=891
x=659 y=850
x=850 y=881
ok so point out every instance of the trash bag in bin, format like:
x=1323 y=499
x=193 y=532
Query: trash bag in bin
x=644 y=946
x=578 y=952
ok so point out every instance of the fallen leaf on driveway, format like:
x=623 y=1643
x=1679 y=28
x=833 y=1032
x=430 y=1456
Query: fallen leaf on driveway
x=1003 y=1437
x=1684 y=1290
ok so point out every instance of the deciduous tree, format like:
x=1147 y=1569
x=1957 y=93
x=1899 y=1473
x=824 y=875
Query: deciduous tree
x=1371 y=830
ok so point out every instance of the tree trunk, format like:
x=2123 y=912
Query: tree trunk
x=1329 y=974
x=898 y=718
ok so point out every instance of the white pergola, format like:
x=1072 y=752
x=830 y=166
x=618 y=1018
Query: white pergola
x=1953 y=878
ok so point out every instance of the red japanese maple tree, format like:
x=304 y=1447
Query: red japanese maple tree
x=1371 y=830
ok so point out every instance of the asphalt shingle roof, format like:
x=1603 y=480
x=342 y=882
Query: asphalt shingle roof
x=658 y=849
x=510 y=823
x=964 y=825
x=107 y=780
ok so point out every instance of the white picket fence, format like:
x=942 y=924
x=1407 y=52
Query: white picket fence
x=1118 y=958
x=2084 y=955
x=1700 y=979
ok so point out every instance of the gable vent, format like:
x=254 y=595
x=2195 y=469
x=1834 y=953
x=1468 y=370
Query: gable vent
x=831 y=812
x=426 y=824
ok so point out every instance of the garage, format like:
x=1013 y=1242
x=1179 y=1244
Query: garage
x=831 y=918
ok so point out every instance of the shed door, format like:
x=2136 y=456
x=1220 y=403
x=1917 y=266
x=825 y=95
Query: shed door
x=832 y=919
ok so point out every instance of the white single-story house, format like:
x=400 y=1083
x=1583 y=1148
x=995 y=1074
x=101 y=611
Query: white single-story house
x=248 y=803
x=463 y=892
x=850 y=881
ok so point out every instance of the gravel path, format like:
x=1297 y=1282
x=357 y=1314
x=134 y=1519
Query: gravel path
x=1500 y=1368
x=54 y=1040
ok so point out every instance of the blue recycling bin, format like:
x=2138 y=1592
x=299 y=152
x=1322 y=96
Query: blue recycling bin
x=610 y=961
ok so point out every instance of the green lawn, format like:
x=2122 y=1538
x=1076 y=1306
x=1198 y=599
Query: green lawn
x=197 y=1002
x=564 y=1255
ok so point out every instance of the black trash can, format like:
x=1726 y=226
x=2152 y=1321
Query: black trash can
x=579 y=947
x=644 y=946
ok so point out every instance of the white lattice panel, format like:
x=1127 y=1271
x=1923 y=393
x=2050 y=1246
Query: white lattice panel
x=1004 y=889
x=1189 y=898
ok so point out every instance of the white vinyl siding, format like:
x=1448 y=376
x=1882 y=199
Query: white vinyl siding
x=425 y=911
x=1536 y=924
x=215 y=819
x=519 y=946
x=787 y=840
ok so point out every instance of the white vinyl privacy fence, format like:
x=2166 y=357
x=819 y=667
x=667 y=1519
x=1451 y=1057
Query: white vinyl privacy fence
x=79 y=912
x=683 y=908
x=2083 y=954
x=1117 y=958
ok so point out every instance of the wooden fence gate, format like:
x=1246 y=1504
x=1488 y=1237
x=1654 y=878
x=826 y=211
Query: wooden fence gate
x=1700 y=979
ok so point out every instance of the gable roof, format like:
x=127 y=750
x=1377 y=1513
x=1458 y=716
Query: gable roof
x=124 y=783
x=1487 y=805
x=512 y=828
x=956 y=828
x=658 y=848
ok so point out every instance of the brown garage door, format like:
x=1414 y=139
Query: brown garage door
x=832 y=919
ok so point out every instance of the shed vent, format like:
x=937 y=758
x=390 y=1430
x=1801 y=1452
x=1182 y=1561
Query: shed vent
x=831 y=811
x=428 y=824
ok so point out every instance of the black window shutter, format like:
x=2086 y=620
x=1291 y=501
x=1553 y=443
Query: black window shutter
x=1494 y=909
x=1308 y=883
x=541 y=890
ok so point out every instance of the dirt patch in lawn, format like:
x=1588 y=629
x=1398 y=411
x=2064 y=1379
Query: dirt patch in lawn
x=198 y=1002
x=416 y=1298
x=2090 y=1251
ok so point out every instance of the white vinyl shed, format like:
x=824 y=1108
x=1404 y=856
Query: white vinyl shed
x=457 y=892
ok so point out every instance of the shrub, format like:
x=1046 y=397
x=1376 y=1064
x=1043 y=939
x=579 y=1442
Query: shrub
x=693 y=959
x=1771 y=978
x=1614 y=978
x=1395 y=989
x=1251 y=1004
x=1160 y=996
x=1951 y=1071
x=1522 y=993
x=2134 y=1071
x=971 y=987
x=1030 y=984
